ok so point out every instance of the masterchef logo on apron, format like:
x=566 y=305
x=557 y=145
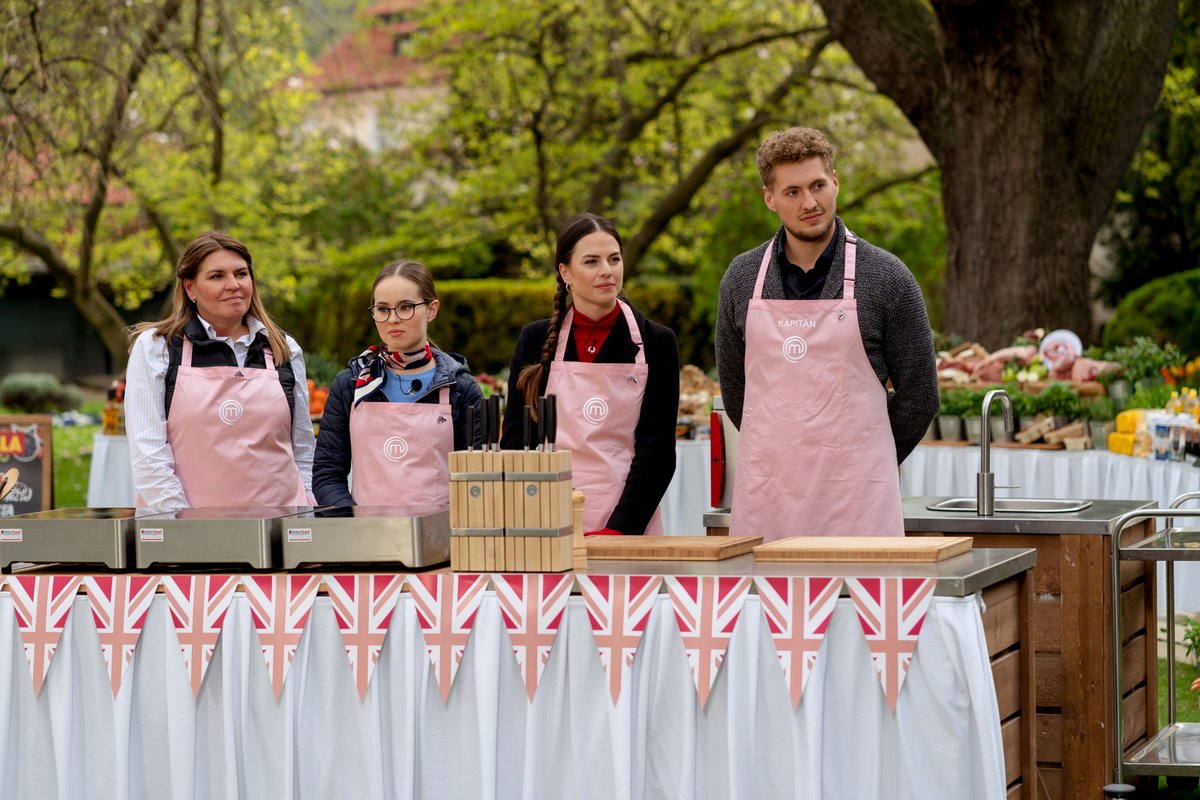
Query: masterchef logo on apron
x=230 y=412
x=794 y=348
x=595 y=410
x=395 y=448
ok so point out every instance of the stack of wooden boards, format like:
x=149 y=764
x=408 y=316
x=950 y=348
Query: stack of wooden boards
x=514 y=510
x=670 y=548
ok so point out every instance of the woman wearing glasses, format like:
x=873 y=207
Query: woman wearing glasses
x=399 y=408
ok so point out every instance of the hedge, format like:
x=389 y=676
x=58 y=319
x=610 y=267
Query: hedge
x=1163 y=309
x=481 y=319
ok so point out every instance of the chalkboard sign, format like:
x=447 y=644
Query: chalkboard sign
x=25 y=444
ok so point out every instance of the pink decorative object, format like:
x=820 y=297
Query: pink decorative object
x=363 y=605
x=532 y=606
x=42 y=604
x=198 y=604
x=707 y=609
x=446 y=605
x=119 y=605
x=280 y=605
x=891 y=611
x=618 y=607
x=798 y=612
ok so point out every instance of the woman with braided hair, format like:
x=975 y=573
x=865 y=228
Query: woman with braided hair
x=615 y=375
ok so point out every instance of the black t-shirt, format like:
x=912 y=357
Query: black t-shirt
x=798 y=284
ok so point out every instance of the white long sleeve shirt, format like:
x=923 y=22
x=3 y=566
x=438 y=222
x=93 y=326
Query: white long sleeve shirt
x=153 y=461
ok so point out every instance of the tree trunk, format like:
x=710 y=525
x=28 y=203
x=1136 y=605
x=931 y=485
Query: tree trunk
x=1032 y=110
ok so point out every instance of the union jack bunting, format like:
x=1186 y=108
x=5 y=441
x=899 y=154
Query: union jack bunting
x=532 y=606
x=279 y=606
x=707 y=609
x=119 y=605
x=363 y=605
x=798 y=612
x=42 y=604
x=618 y=607
x=198 y=604
x=891 y=611
x=446 y=605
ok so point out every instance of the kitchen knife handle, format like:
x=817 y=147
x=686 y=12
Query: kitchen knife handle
x=494 y=401
x=526 y=425
x=542 y=426
x=552 y=420
x=471 y=428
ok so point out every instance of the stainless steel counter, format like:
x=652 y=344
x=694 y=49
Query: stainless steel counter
x=1098 y=518
x=956 y=576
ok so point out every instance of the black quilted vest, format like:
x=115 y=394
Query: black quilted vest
x=208 y=352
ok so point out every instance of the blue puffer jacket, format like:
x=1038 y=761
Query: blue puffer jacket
x=331 y=464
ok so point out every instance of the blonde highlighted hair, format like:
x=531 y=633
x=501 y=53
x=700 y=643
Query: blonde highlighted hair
x=183 y=310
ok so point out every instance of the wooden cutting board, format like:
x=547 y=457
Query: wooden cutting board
x=670 y=548
x=912 y=549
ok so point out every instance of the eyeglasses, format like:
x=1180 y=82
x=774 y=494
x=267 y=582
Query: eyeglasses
x=405 y=310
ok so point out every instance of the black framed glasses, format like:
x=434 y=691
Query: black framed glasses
x=405 y=310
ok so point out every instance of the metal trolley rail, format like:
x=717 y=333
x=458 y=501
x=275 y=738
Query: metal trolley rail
x=1175 y=749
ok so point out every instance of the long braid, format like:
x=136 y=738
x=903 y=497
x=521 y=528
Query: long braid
x=530 y=381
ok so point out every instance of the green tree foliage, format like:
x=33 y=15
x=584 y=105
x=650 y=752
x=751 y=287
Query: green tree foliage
x=1153 y=228
x=647 y=112
x=131 y=127
x=1163 y=310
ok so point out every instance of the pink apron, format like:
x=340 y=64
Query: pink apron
x=231 y=433
x=598 y=410
x=400 y=454
x=816 y=456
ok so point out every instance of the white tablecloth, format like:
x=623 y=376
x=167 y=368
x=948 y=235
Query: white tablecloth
x=687 y=498
x=946 y=471
x=110 y=479
x=157 y=742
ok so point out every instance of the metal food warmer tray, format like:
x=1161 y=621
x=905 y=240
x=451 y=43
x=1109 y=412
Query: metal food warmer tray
x=413 y=538
x=211 y=536
x=99 y=536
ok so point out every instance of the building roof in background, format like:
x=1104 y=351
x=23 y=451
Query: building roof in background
x=374 y=57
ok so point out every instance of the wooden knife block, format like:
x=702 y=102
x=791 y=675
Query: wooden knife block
x=511 y=511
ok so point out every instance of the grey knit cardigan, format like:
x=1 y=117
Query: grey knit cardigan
x=891 y=316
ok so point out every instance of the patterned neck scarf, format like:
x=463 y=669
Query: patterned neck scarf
x=373 y=361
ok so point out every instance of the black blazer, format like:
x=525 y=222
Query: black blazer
x=653 y=463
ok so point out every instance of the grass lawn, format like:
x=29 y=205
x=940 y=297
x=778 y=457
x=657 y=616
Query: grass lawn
x=72 y=449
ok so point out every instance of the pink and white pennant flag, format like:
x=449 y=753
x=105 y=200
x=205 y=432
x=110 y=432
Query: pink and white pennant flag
x=446 y=605
x=42 y=604
x=891 y=611
x=707 y=608
x=363 y=605
x=279 y=606
x=798 y=612
x=198 y=604
x=618 y=607
x=119 y=606
x=532 y=605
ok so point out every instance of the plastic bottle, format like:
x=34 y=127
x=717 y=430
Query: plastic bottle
x=1175 y=404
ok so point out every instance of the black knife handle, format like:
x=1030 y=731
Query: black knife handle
x=526 y=425
x=471 y=428
x=552 y=420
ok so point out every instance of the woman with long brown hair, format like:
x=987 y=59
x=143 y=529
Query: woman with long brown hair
x=399 y=408
x=615 y=375
x=216 y=397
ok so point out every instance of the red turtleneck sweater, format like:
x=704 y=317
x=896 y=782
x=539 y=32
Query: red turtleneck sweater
x=590 y=333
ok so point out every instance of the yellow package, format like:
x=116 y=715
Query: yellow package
x=1121 y=443
x=1127 y=421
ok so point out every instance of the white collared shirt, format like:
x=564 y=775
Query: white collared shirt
x=146 y=419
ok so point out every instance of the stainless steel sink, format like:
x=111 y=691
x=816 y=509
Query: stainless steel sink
x=1014 y=505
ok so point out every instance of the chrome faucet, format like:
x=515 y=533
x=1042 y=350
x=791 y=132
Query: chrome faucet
x=985 y=482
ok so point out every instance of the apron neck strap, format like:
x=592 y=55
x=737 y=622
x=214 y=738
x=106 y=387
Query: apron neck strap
x=185 y=357
x=634 y=333
x=848 y=276
x=847 y=279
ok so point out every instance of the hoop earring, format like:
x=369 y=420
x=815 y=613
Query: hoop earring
x=570 y=288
